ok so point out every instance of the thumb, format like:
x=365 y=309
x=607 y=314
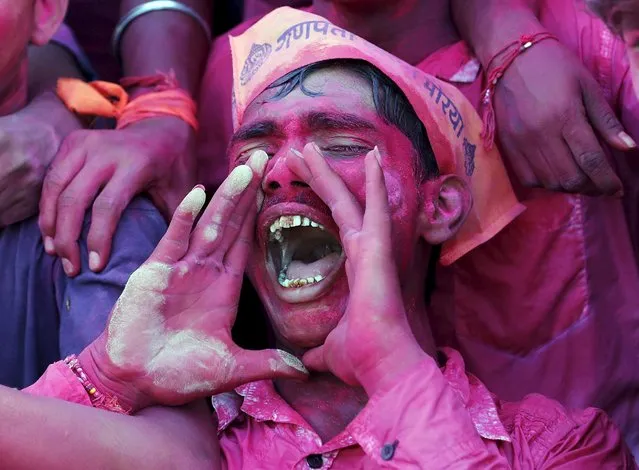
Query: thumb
x=314 y=359
x=603 y=118
x=251 y=366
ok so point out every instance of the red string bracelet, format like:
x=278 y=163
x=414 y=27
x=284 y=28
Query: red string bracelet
x=514 y=49
x=98 y=399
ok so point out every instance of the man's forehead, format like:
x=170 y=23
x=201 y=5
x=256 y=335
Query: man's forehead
x=335 y=87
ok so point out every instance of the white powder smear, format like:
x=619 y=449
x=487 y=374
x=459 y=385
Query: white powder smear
x=258 y=161
x=193 y=202
x=187 y=360
x=237 y=181
x=137 y=311
x=210 y=233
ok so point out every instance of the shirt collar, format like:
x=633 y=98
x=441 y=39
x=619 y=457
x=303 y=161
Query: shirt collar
x=260 y=401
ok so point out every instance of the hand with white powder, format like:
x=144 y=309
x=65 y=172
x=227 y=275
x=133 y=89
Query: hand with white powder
x=168 y=340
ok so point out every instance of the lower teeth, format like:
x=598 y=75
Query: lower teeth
x=294 y=283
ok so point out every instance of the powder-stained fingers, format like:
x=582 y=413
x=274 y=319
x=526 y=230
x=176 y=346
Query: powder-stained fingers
x=175 y=242
x=327 y=184
x=221 y=223
x=237 y=255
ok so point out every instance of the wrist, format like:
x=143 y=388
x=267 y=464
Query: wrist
x=105 y=377
x=503 y=27
x=386 y=372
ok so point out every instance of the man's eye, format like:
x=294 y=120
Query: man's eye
x=346 y=150
x=244 y=156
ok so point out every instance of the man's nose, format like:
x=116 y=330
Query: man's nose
x=278 y=177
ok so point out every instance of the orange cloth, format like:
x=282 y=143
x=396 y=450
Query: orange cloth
x=287 y=39
x=111 y=100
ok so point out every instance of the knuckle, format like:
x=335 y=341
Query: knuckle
x=591 y=162
x=54 y=180
x=573 y=183
x=66 y=201
x=105 y=205
x=610 y=121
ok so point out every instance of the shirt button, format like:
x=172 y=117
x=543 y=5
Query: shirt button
x=388 y=450
x=315 y=461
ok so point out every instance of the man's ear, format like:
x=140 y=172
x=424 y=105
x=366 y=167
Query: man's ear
x=47 y=17
x=445 y=206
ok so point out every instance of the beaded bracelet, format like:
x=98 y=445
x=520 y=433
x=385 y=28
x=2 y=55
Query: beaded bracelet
x=98 y=399
x=514 y=49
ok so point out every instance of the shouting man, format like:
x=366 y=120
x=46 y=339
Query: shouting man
x=345 y=174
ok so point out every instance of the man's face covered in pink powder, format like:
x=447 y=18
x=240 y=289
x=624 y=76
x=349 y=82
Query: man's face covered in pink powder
x=297 y=264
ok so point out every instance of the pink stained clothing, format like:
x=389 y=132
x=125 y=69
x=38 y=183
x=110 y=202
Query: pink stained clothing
x=59 y=381
x=549 y=305
x=426 y=420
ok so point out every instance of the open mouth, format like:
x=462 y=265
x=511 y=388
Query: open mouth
x=302 y=251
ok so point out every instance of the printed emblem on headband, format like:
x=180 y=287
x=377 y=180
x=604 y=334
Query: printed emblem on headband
x=257 y=56
x=469 y=157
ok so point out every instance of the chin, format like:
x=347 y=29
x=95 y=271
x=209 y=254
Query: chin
x=304 y=327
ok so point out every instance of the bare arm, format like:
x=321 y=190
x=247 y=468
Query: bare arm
x=165 y=40
x=548 y=107
x=488 y=25
x=53 y=434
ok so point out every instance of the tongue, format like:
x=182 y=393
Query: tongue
x=323 y=267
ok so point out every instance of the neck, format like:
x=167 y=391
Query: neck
x=408 y=29
x=14 y=91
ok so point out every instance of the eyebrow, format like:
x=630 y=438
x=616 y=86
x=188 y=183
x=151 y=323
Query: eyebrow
x=256 y=130
x=322 y=121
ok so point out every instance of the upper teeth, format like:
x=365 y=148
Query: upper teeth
x=290 y=221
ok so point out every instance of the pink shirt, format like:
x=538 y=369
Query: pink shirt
x=550 y=304
x=429 y=419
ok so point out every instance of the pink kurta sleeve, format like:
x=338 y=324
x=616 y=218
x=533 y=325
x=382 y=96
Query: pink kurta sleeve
x=58 y=381
x=421 y=422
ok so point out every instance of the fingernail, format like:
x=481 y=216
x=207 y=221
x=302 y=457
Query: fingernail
x=627 y=140
x=49 y=247
x=297 y=153
x=67 y=266
x=94 y=261
x=316 y=148
x=378 y=156
x=292 y=361
x=238 y=180
x=199 y=186
x=258 y=161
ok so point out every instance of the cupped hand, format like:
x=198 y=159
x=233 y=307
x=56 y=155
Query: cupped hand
x=550 y=112
x=105 y=169
x=168 y=339
x=373 y=341
x=27 y=147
